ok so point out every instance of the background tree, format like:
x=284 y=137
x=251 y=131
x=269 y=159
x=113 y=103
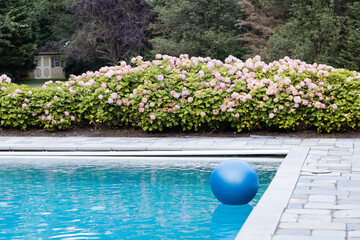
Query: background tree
x=17 y=37
x=198 y=28
x=110 y=30
x=349 y=56
x=261 y=19
x=318 y=31
x=54 y=21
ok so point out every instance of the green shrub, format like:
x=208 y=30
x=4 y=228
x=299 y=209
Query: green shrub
x=192 y=94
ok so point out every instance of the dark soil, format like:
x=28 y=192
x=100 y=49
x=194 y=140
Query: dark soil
x=109 y=132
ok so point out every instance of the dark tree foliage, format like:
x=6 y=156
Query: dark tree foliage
x=111 y=30
x=198 y=28
x=17 y=37
x=54 y=21
x=322 y=31
x=259 y=22
x=349 y=55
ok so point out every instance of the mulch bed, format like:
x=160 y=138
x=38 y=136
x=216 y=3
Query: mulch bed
x=130 y=132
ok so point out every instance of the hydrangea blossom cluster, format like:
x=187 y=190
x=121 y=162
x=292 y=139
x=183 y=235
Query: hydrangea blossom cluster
x=197 y=92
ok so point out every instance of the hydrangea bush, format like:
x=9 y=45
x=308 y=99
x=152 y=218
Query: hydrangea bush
x=191 y=94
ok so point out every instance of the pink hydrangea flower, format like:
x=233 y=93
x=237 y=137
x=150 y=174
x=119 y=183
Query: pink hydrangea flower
x=43 y=118
x=334 y=106
x=100 y=96
x=110 y=100
x=72 y=118
x=202 y=114
x=201 y=73
x=24 y=105
x=62 y=120
x=48 y=118
x=160 y=77
x=152 y=117
x=271 y=115
x=114 y=95
x=66 y=113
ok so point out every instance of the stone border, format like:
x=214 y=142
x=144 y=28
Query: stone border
x=265 y=217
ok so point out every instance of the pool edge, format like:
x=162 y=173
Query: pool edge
x=265 y=217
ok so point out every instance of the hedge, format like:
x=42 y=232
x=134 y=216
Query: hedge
x=191 y=94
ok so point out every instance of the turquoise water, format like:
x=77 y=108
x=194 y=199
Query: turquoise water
x=108 y=199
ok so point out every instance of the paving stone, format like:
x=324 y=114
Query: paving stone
x=346 y=214
x=274 y=142
x=347 y=183
x=314 y=226
x=316 y=147
x=135 y=147
x=325 y=181
x=318 y=152
x=292 y=237
x=295 y=205
x=289 y=217
x=346 y=220
x=348 y=202
x=299 y=201
x=292 y=141
x=322 y=198
x=256 y=142
x=299 y=196
x=324 y=188
x=353 y=227
x=317 y=184
x=316 y=205
x=94 y=147
x=308 y=211
x=342 y=154
x=349 y=197
x=319 y=192
x=309 y=142
x=352 y=189
x=327 y=233
x=293 y=232
x=354 y=233
x=314 y=218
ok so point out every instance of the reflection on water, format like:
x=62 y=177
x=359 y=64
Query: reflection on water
x=116 y=200
x=228 y=219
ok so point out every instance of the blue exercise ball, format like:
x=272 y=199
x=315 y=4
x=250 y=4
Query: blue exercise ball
x=234 y=182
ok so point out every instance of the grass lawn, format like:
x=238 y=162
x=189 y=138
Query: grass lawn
x=35 y=83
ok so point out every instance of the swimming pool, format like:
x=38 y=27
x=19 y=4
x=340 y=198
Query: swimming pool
x=112 y=199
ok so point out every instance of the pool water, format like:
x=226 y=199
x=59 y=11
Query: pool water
x=112 y=199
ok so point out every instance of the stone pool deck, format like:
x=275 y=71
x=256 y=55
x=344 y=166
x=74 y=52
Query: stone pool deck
x=314 y=196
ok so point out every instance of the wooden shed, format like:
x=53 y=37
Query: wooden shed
x=48 y=63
